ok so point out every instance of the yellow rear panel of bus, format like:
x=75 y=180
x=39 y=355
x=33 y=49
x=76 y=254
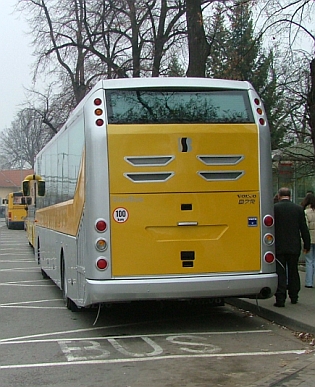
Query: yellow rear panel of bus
x=184 y=199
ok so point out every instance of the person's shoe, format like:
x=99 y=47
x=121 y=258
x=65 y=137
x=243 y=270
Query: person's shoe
x=308 y=286
x=279 y=304
x=294 y=300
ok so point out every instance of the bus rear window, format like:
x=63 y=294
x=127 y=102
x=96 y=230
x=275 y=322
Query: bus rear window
x=17 y=197
x=141 y=106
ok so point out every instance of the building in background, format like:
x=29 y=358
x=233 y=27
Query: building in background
x=293 y=167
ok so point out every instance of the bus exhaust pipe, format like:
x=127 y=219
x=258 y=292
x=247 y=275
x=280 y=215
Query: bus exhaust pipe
x=265 y=293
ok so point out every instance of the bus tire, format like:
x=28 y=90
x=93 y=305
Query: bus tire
x=38 y=252
x=64 y=286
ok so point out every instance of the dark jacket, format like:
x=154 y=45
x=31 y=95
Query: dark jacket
x=290 y=227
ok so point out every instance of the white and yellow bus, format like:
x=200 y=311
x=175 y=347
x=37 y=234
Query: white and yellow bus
x=158 y=188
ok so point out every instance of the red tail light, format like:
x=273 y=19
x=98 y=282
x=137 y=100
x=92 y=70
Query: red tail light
x=101 y=263
x=99 y=122
x=100 y=225
x=269 y=257
x=268 y=221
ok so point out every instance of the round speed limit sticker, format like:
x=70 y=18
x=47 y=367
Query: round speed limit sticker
x=120 y=215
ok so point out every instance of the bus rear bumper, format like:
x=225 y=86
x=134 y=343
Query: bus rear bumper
x=16 y=225
x=120 y=290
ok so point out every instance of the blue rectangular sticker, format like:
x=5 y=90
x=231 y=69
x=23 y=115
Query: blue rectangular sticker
x=252 y=221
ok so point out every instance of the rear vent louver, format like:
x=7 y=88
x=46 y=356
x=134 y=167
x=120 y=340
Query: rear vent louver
x=220 y=160
x=221 y=175
x=147 y=177
x=149 y=161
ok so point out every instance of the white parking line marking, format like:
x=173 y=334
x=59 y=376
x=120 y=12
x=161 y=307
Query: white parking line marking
x=16 y=260
x=166 y=357
x=28 y=302
x=25 y=281
x=15 y=255
x=26 y=285
x=67 y=332
x=18 y=340
x=25 y=269
x=6 y=244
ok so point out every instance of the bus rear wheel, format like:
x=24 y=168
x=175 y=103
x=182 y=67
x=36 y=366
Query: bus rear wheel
x=64 y=287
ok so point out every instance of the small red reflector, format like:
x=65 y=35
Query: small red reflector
x=268 y=220
x=99 y=122
x=101 y=225
x=97 y=101
x=101 y=264
x=269 y=257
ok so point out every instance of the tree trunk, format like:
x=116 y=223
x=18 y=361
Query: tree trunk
x=198 y=47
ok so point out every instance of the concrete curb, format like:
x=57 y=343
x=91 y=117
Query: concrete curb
x=270 y=315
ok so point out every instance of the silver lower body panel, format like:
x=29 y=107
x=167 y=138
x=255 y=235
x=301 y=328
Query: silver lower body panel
x=120 y=290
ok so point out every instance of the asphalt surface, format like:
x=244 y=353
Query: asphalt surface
x=298 y=317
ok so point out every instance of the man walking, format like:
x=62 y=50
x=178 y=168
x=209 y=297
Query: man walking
x=290 y=227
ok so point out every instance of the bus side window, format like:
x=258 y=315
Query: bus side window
x=4 y=201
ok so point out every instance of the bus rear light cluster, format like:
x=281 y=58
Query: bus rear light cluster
x=100 y=225
x=269 y=257
x=268 y=221
x=259 y=111
x=98 y=111
x=101 y=263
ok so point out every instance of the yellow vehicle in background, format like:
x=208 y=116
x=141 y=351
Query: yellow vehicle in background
x=33 y=184
x=15 y=211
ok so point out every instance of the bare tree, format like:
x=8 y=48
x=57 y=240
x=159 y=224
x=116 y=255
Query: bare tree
x=168 y=31
x=135 y=35
x=292 y=20
x=53 y=108
x=107 y=38
x=20 y=144
x=58 y=29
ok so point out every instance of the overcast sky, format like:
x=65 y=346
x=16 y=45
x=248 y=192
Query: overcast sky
x=16 y=58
